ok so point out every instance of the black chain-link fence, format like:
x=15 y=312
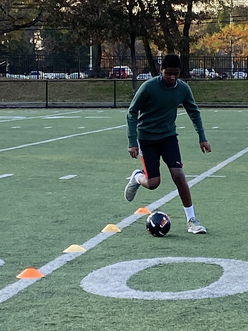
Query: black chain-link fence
x=77 y=67
x=102 y=93
x=66 y=93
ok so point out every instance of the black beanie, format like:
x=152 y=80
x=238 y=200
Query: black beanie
x=172 y=61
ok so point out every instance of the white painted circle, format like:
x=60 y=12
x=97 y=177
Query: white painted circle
x=111 y=281
x=1 y=262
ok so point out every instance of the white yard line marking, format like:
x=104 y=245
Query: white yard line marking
x=52 y=117
x=11 y=290
x=21 y=118
x=6 y=175
x=61 y=138
x=111 y=281
x=68 y=177
x=212 y=176
x=97 y=117
x=12 y=118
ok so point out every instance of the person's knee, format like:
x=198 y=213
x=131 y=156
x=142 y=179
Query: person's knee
x=153 y=183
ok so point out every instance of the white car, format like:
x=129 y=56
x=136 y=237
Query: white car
x=61 y=75
x=144 y=76
x=240 y=75
x=77 y=75
x=49 y=75
x=213 y=74
x=16 y=76
x=199 y=72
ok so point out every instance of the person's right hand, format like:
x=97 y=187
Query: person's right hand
x=134 y=152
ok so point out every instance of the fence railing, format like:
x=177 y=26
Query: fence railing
x=23 y=66
x=66 y=93
x=107 y=92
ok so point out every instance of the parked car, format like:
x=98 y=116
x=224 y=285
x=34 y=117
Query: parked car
x=77 y=75
x=224 y=75
x=61 y=75
x=199 y=72
x=89 y=73
x=144 y=76
x=240 y=75
x=16 y=76
x=213 y=74
x=122 y=72
x=49 y=75
x=36 y=75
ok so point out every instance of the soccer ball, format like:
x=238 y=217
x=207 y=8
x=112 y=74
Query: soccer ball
x=158 y=224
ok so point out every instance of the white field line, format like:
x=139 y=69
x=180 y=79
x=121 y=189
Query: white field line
x=61 y=138
x=22 y=118
x=11 y=290
x=52 y=116
x=68 y=177
x=6 y=175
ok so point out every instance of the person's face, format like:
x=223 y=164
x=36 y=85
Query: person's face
x=170 y=76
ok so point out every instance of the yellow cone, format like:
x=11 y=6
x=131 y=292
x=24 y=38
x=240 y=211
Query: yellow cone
x=142 y=210
x=74 y=249
x=111 y=228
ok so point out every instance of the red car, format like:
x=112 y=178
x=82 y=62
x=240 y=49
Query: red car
x=122 y=72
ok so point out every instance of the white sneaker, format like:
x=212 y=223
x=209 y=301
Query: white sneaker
x=194 y=226
x=132 y=186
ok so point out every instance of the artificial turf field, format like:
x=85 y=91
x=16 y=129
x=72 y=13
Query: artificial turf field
x=127 y=280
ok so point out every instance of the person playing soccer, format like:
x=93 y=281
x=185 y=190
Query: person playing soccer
x=151 y=131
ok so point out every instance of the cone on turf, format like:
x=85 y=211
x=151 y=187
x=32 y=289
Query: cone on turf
x=142 y=210
x=74 y=249
x=111 y=228
x=30 y=273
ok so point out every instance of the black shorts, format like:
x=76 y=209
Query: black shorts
x=152 y=150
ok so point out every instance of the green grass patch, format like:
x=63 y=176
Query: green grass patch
x=102 y=90
x=179 y=277
x=220 y=91
x=41 y=215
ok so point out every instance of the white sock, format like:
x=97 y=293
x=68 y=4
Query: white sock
x=137 y=176
x=189 y=211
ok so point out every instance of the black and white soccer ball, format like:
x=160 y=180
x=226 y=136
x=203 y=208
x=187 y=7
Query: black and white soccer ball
x=158 y=224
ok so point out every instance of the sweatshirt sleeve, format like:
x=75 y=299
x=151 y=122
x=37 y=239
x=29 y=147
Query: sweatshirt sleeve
x=194 y=114
x=132 y=116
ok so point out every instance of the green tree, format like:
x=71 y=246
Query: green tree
x=16 y=43
x=84 y=21
x=16 y=15
x=166 y=23
x=232 y=40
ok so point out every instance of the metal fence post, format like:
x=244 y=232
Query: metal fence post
x=115 y=106
x=47 y=94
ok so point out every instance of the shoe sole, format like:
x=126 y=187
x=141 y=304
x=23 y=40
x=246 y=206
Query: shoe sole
x=196 y=232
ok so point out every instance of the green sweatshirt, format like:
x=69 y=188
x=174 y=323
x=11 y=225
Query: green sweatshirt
x=153 y=111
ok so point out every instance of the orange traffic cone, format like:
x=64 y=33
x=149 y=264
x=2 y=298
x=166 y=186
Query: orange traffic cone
x=142 y=210
x=30 y=273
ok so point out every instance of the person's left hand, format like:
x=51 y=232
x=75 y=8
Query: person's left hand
x=205 y=146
